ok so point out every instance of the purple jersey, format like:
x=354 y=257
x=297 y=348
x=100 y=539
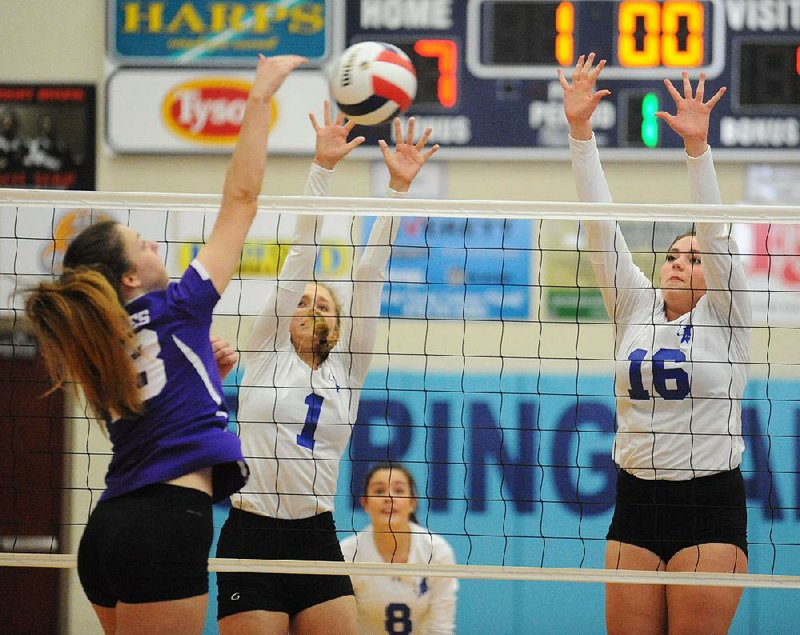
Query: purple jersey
x=184 y=425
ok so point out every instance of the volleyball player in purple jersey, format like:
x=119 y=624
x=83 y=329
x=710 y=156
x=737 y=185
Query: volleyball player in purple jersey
x=682 y=353
x=140 y=349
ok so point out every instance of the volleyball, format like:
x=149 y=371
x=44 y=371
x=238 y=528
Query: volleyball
x=372 y=81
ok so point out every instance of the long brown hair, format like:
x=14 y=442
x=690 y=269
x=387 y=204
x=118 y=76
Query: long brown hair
x=84 y=332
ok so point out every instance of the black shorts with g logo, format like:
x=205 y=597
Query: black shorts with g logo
x=248 y=535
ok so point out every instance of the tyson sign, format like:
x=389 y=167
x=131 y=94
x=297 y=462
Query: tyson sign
x=188 y=112
x=208 y=110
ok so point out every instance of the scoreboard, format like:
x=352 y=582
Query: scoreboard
x=488 y=83
x=486 y=69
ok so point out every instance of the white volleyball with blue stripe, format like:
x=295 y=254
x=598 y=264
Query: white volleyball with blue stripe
x=373 y=81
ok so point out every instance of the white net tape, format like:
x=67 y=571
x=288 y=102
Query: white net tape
x=460 y=571
x=355 y=206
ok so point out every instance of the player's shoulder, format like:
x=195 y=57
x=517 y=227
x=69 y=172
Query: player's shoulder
x=442 y=550
x=437 y=548
x=354 y=543
x=349 y=541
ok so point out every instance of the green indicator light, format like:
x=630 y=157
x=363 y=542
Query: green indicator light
x=649 y=120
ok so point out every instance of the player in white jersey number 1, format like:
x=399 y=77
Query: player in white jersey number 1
x=305 y=366
x=682 y=354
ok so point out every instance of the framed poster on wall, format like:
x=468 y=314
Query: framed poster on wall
x=47 y=136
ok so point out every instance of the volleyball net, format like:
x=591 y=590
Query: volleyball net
x=491 y=380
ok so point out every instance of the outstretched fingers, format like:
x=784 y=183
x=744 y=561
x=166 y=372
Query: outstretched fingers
x=585 y=76
x=673 y=92
x=687 y=85
x=576 y=74
x=271 y=71
x=412 y=124
x=697 y=96
x=327 y=120
x=601 y=93
x=666 y=117
x=587 y=71
x=717 y=96
x=398 y=131
x=699 y=93
x=408 y=139
x=595 y=72
x=562 y=79
x=423 y=140
x=430 y=152
x=384 y=148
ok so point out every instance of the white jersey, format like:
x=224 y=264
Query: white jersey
x=294 y=422
x=679 y=384
x=404 y=604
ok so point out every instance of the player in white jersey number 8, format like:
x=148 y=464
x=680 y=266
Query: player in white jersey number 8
x=399 y=604
x=682 y=356
x=305 y=366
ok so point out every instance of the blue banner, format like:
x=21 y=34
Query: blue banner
x=170 y=32
x=516 y=470
x=453 y=268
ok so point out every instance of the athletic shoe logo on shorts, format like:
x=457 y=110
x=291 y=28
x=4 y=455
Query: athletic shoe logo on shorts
x=235 y=596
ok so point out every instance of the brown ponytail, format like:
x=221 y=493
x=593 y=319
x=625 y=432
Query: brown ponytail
x=83 y=330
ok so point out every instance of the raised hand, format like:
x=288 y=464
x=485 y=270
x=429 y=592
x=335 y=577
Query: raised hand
x=332 y=144
x=270 y=73
x=693 y=114
x=580 y=97
x=408 y=157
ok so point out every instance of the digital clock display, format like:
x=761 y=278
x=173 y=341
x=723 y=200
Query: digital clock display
x=647 y=38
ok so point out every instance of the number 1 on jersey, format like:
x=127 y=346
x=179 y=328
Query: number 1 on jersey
x=306 y=437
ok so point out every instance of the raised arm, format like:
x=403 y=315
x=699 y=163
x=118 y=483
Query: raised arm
x=220 y=255
x=404 y=162
x=613 y=265
x=298 y=268
x=725 y=277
